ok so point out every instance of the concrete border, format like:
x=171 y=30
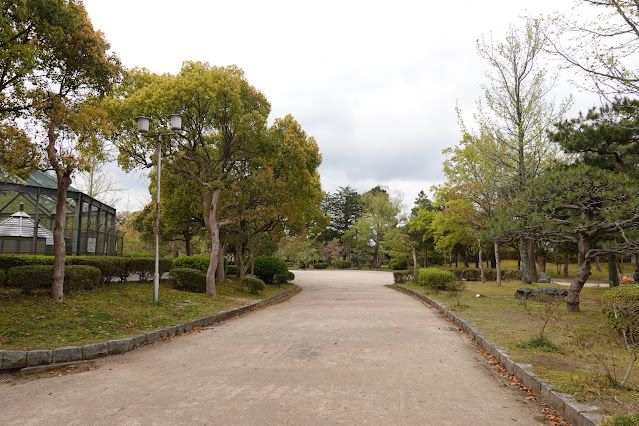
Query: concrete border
x=576 y=413
x=23 y=360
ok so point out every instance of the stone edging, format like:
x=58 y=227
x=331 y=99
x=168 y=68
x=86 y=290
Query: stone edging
x=576 y=413
x=13 y=360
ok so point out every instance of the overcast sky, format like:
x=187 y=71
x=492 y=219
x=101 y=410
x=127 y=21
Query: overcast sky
x=376 y=83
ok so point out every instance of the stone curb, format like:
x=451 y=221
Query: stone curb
x=15 y=360
x=577 y=414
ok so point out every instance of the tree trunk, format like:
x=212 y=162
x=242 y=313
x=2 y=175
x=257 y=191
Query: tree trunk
x=60 y=249
x=376 y=261
x=188 y=242
x=583 y=272
x=426 y=258
x=219 y=273
x=497 y=264
x=239 y=260
x=465 y=260
x=613 y=277
x=174 y=251
x=542 y=261
x=415 y=272
x=534 y=277
x=597 y=265
x=210 y=203
x=525 y=261
x=481 y=262
x=566 y=263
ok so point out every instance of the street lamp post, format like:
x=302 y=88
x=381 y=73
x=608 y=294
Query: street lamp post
x=143 y=128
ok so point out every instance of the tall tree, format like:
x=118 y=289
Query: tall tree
x=224 y=126
x=516 y=113
x=344 y=207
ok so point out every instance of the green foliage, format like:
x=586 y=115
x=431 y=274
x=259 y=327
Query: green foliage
x=31 y=277
x=344 y=207
x=111 y=267
x=188 y=279
x=621 y=306
x=320 y=265
x=343 y=264
x=201 y=263
x=435 y=278
x=232 y=270
x=621 y=420
x=291 y=276
x=398 y=265
x=10 y=260
x=254 y=285
x=541 y=343
x=145 y=266
x=3 y=277
x=266 y=267
x=280 y=279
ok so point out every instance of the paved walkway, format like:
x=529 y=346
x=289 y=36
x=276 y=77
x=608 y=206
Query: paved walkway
x=346 y=350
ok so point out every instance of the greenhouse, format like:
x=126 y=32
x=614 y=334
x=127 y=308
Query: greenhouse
x=28 y=211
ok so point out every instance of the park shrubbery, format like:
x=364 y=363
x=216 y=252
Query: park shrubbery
x=343 y=264
x=280 y=279
x=291 y=276
x=10 y=260
x=398 y=265
x=266 y=267
x=188 y=279
x=320 y=265
x=253 y=285
x=201 y=263
x=145 y=267
x=621 y=306
x=435 y=278
x=31 y=277
x=474 y=274
x=232 y=270
x=111 y=267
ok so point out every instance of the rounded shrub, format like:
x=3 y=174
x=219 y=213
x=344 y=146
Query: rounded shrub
x=81 y=277
x=188 y=279
x=201 y=263
x=145 y=266
x=435 y=278
x=291 y=276
x=621 y=307
x=320 y=265
x=280 y=279
x=253 y=285
x=232 y=270
x=343 y=264
x=398 y=265
x=111 y=267
x=266 y=267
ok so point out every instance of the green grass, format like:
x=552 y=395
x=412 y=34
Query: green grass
x=116 y=311
x=596 y=276
x=562 y=358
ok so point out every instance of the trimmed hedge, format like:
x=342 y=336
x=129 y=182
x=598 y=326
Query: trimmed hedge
x=111 y=267
x=8 y=261
x=254 y=285
x=31 y=277
x=3 y=277
x=320 y=265
x=232 y=270
x=435 y=278
x=201 y=263
x=291 y=276
x=343 y=264
x=280 y=279
x=188 y=279
x=266 y=267
x=145 y=267
x=621 y=307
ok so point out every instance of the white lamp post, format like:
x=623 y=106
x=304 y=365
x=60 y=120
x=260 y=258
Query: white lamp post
x=143 y=128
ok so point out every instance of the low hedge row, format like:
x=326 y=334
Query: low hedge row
x=188 y=279
x=343 y=264
x=435 y=278
x=31 y=277
x=474 y=274
x=320 y=265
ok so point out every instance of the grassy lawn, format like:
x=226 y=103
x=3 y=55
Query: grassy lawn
x=580 y=339
x=112 y=312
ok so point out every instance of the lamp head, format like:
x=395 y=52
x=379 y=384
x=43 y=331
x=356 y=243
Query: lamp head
x=143 y=124
x=176 y=121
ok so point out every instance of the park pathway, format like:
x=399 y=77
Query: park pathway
x=346 y=350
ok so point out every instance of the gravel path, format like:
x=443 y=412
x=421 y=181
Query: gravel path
x=344 y=350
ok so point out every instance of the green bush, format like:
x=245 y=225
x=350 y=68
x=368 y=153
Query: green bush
x=291 y=276
x=11 y=260
x=435 y=278
x=3 y=277
x=145 y=266
x=280 y=279
x=320 y=265
x=253 y=285
x=398 y=265
x=31 y=277
x=621 y=307
x=111 y=267
x=201 y=263
x=266 y=267
x=232 y=270
x=343 y=264
x=188 y=279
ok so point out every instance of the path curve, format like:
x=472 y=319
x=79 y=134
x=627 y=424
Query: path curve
x=344 y=350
